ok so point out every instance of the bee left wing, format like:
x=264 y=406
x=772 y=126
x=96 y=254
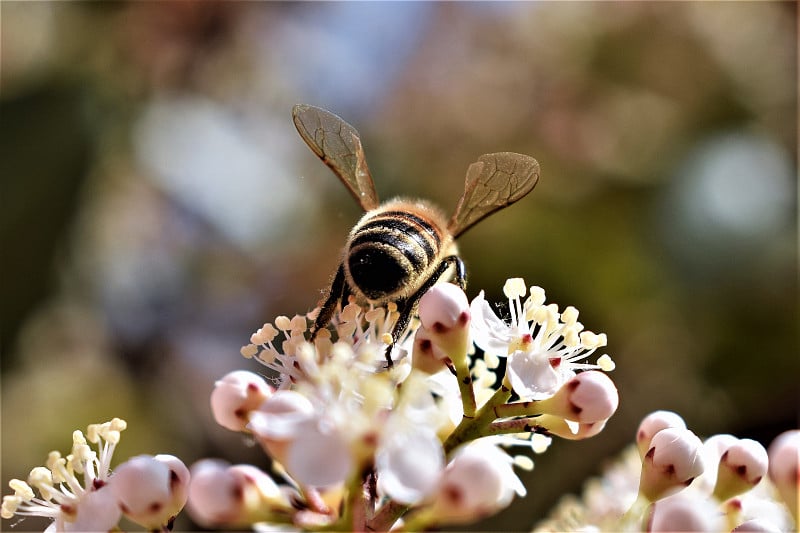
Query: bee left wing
x=493 y=182
x=338 y=144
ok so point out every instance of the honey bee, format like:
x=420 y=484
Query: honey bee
x=401 y=248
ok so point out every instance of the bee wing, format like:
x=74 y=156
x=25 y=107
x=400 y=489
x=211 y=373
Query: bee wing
x=338 y=144
x=493 y=182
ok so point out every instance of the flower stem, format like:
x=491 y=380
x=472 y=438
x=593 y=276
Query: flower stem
x=527 y=408
x=473 y=428
x=518 y=425
x=387 y=515
x=464 y=377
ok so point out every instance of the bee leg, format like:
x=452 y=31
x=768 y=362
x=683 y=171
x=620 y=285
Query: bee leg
x=406 y=307
x=337 y=293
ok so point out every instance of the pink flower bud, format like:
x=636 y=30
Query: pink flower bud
x=426 y=355
x=224 y=495
x=684 y=512
x=444 y=307
x=588 y=397
x=555 y=425
x=672 y=462
x=478 y=482
x=151 y=490
x=652 y=424
x=444 y=313
x=741 y=467
x=784 y=468
x=757 y=525
x=235 y=396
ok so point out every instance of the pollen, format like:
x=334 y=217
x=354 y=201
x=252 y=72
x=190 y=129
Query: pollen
x=514 y=288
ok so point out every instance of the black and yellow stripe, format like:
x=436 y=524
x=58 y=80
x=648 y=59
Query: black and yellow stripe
x=390 y=252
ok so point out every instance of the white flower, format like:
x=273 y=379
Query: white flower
x=71 y=504
x=544 y=347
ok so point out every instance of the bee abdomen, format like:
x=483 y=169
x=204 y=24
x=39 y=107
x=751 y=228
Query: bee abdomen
x=388 y=251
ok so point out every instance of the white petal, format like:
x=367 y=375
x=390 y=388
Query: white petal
x=319 y=457
x=97 y=511
x=409 y=466
x=280 y=416
x=532 y=376
x=489 y=333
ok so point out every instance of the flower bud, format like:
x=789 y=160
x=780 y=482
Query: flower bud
x=224 y=495
x=756 y=525
x=684 y=512
x=741 y=467
x=566 y=429
x=672 y=462
x=235 y=396
x=652 y=424
x=151 y=491
x=478 y=482
x=427 y=356
x=588 y=397
x=445 y=315
x=784 y=468
x=444 y=307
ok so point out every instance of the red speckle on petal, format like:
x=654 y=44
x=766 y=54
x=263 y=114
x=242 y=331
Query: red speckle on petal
x=252 y=387
x=453 y=494
x=155 y=507
x=174 y=480
x=555 y=362
x=527 y=339
x=463 y=318
x=438 y=327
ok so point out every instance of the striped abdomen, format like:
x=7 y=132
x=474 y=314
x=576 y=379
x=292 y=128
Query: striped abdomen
x=394 y=249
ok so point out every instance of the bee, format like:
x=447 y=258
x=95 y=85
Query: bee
x=401 y=248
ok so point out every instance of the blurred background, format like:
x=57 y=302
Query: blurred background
x=158 y=205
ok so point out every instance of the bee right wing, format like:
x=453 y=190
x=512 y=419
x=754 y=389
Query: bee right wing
x=338 y=144
x=493 y=182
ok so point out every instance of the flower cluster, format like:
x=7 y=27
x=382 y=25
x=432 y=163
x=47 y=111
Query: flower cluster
x=672 y=481
x=360 y=445
x=149 y=490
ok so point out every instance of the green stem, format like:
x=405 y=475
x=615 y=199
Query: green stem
x=518 y=425
x=473 y=428
x=464 y=377
x=527 y=408
x=386 y=516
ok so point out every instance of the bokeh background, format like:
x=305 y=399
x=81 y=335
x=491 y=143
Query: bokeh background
x=158 y=205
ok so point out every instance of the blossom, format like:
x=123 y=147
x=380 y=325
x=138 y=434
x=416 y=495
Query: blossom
x=544 y=347
x=72 y=504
